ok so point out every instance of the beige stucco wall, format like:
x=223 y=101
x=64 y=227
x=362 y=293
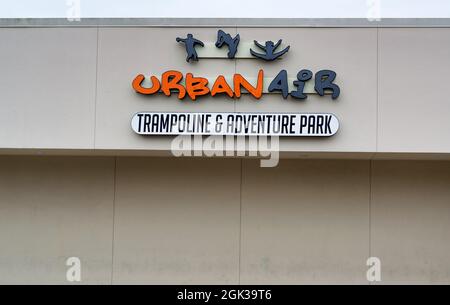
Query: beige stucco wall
x=66 y=91
x=70 y=87
x=211 y=221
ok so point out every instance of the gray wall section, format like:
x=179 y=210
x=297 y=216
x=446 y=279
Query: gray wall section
x=410 y=220
x=52 y=209
x=412 y=106
x=162 y=220
x=70 y=87
x=67 y=90
x=47 y=87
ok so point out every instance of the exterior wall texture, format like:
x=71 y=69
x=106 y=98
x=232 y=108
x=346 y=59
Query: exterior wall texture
x=223 y=221
x=133 y=215
x=71 y=88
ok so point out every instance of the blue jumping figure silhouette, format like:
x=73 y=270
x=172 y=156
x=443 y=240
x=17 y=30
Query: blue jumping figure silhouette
x=190 y=42
x=269 y=50
x=232 y=43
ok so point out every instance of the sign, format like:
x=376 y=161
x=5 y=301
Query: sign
x=198 y=86
x=235 y=124
x=173 y=81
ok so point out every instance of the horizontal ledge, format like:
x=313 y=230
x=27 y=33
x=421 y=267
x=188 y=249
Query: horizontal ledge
x=43 y=152
x=225 y=22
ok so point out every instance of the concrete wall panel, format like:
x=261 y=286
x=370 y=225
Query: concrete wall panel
x=191 y=221
x=53 y=208
x=47 y=87
x=305 y=222
x=413 y=103
x=177 y=221
x=410 y=214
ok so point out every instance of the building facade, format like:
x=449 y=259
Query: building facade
x=77 y=181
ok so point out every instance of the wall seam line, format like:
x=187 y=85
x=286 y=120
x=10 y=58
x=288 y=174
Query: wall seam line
x=240 y=190
x=235 y=67
x=96 y=92
x=113 y=219
x=377 y=93
x=240 y=223
x=370 y=207
x=376 y=141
